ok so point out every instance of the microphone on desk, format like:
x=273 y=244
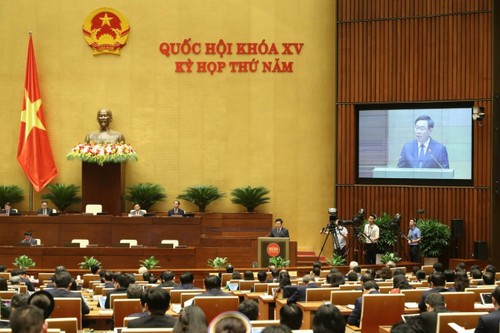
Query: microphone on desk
x=435 y=160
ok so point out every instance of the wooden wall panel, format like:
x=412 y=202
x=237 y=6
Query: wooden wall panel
x=416 y=51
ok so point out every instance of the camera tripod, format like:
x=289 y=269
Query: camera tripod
x=333 y=230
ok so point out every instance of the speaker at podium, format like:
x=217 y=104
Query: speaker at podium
x=268 y=247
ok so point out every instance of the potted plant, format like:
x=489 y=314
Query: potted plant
x=145 y=194
x=88 y=263
x=218 y=262
x=10 y=193
x=390 y=256
x=149 y=263
x=435 y=237
x=336 y=260
x=24 y=262
x=279 y=262
x=62 y=195
x=250 y=197
x=201 y=195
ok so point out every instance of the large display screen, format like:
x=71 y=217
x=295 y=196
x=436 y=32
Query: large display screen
x=415 y=144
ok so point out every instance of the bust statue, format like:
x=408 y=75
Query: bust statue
x=105 y=134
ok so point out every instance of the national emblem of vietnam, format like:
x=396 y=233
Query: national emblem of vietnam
x=106 y=31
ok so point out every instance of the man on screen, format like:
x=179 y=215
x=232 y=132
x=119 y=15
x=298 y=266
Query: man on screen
x=424 y=152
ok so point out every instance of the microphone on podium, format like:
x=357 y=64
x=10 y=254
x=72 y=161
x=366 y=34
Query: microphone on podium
x=435 y=160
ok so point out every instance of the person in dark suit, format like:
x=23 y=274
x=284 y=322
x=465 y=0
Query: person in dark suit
x=278 y=230
x=435 y=304
x=122 y=282
x=28 y=238
x=213 y=287
x=424 y=152
x=187 y=280
x=369 y=287
x=26 y=319
x=137 y=211
x=176 y=211
x=63 y=281
x=437 y=283
x=44 y=209
x=300 y=294
x=8 y=210
x=489 y=323
x=157 y=303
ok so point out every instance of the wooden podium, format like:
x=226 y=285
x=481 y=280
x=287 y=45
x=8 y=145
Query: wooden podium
x=268 y=247
x=103 y=185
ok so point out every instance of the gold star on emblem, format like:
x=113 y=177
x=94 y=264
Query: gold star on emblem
x=29 y=115
x=105 y=20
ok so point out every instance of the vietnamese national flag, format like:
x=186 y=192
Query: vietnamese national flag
x=33 y=150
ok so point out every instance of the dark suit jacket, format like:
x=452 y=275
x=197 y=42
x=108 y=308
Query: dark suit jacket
x=152 y=321
x=13 y=211
x=430 y=319
x=300 y=294
x=180 y=212
x=116 y=291
x=421 y=304
x=61 y=292
x=40 y=211
x=488 y=323
x=436 y=156
x=355 y=316
x=276 y=233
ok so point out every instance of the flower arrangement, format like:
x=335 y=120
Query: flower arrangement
x=102 y=153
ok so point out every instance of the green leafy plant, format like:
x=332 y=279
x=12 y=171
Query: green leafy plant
x=336 y=260
x=10 y=193
x=62 y=195
x=388 y=233
x=250 y=197
x=201 y=195
x=89 y=262
x=390 y=256
x=145 y=194
x=218 y=262
x=279 y=262
x=23 y=262
x=435 y=237
x=149 y=263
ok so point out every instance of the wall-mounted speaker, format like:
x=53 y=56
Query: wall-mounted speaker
x=457 y=228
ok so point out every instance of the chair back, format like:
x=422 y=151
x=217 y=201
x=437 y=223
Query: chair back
x=319 y=294
x=413 y=295
x=264 y=323
x=104 y=291
x=68 y=325
x=385 y=289
x=45 y=276
x=246 y=285
x=175 y=294
x=427 y=269
x=381 y=309
x=89 y=277
x=271 y=286
x=344 y=297
x=5 y=275
x=350 y=286
x=459 y=301
x=224 y=278
x=187 y=296
x=124 y=307
x=213 y=306
x=468 y=320
x=68 y=307
x=478 y=291
x=114 y=297
x=7 y=294
x=260 y=287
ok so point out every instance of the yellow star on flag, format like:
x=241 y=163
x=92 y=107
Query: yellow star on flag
x=29 y=115
x=105 y=20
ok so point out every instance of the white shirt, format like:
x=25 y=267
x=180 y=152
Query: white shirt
x=372 y=233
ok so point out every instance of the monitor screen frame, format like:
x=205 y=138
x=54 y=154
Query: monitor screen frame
x=414 y=109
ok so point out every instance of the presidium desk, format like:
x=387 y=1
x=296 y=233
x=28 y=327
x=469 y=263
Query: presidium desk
x=201 y=237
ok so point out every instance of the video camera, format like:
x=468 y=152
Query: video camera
x=334 y=222
x=396 y=222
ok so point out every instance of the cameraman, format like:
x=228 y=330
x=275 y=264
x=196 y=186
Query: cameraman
x=339 y=239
